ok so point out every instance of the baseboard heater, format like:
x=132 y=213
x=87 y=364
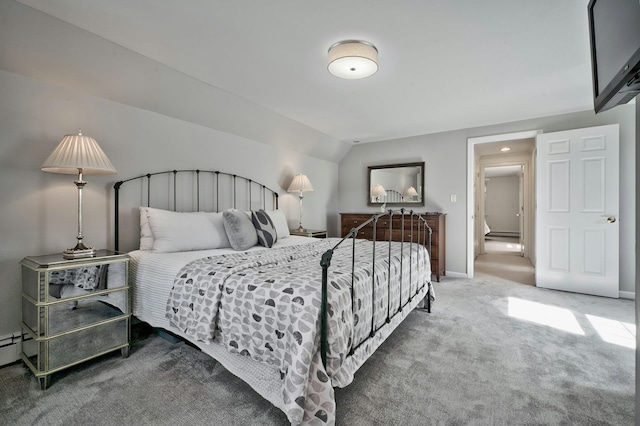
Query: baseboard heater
x=10 y=348
x=503 y=234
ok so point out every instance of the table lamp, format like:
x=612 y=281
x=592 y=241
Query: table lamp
x=300 y=184
x=82 y=155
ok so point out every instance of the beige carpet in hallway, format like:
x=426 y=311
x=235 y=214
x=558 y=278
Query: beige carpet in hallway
x=503 y=262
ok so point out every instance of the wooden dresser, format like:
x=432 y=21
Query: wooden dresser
x=435 y=220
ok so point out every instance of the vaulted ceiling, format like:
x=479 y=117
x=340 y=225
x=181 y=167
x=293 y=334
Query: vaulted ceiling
x=444 y=64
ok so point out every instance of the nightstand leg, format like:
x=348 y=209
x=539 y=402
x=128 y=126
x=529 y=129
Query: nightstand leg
x=45 y=381
x=125 y=352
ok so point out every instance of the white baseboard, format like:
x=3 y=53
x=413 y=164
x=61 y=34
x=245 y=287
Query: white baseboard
x=10 y=348
x=452 y=274
x=627 y=295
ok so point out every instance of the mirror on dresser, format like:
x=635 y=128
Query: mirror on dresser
x=396 y=184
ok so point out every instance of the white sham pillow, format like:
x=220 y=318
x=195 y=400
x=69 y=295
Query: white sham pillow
x=177 y=231
x=146 y=236
x=280 y=223
x=221 y=234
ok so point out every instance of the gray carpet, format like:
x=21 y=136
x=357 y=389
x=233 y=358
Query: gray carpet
x=468 y=362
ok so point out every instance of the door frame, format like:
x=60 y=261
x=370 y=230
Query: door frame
x=471 y=179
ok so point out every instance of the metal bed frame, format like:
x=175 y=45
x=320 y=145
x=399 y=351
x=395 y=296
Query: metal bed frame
x=197 y=173
x=423 y=237
x=326 y=263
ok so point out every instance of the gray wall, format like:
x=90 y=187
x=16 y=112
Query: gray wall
x=56 y=78
x=38 y=209
x=445 y=157
x=637 y=257
x=42 y=47
x=502 y=203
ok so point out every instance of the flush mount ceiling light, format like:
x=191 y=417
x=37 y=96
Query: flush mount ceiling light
x=505 y=149
x=353 y=59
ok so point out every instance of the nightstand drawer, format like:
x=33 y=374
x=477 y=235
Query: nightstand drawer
x=49 y=355
x=315 y=233
x=62 y=318
x=55 y=282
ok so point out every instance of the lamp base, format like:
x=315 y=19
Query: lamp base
x=300 y=229
x=79 y=253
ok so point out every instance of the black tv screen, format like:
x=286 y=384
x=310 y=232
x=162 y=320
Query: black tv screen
x=614 y=27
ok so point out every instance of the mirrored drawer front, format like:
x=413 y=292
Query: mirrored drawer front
x=51 y=284
x=33 y=283
x=68 y=316
x=47 y=355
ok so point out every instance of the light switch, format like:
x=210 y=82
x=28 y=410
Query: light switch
x=454 y=198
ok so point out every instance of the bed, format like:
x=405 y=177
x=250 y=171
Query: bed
x=293 y=320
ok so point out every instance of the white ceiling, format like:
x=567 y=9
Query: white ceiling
x=501 y=171
x=444 y=64
x=518 y=146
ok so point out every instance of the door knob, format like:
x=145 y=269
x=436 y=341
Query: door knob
x=611 y=219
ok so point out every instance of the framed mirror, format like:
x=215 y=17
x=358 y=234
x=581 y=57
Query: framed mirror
x=396 y=184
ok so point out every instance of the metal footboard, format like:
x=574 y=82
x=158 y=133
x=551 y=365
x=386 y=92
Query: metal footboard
x=423 y=237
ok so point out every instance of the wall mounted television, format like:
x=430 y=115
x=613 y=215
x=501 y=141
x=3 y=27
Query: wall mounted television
x=614 y=30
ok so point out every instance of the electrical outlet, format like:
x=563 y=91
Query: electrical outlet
x=454 y=198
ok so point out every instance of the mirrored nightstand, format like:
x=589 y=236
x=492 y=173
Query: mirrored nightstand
x=315 y=233
x=73 y=310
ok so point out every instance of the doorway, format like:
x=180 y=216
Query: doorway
x=503 y=195
x=506 y=250
x=502 y=252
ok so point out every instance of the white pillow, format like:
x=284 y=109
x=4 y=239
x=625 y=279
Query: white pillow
x=280 y=223
x=175 y=231
x=221 y=234
x=146 y=236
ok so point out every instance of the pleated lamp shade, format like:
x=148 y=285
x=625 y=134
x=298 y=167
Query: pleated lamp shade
x=411 y=192
x=378 y=191
x=300 y=183
x=76 y=152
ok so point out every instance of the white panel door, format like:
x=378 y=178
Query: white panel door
x=577 y=232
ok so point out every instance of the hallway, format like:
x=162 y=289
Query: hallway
x=503 y=261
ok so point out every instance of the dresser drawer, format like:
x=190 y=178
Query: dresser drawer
x=353 y=221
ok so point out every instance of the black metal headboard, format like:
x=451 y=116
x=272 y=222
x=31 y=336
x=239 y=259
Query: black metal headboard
x=200 y=185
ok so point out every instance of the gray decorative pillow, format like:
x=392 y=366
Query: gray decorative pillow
x=240 y=231
x=265 y=229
